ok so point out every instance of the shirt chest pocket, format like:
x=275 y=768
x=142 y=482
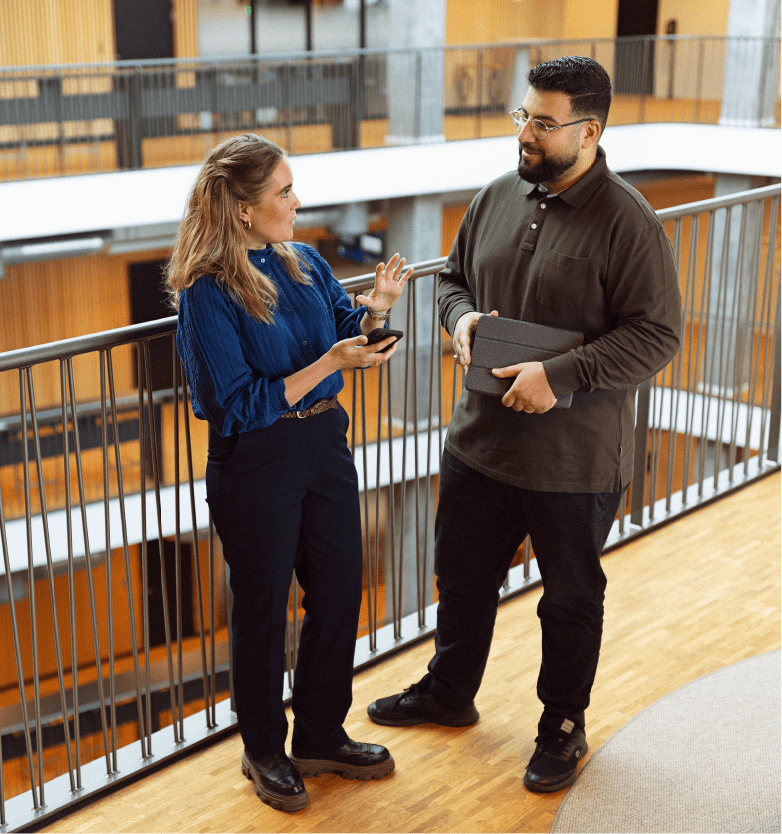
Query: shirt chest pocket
x=562 y=281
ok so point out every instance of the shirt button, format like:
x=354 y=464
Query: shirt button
x=534 y=226
x=543 y=205
x=304 y=342
x=287 y=309
x=263 y=260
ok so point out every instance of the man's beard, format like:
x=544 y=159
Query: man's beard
x=547 y=169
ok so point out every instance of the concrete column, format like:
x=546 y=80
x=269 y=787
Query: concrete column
x=751 y=68
x=416 y=78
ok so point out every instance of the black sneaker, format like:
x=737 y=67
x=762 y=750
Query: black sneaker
x=412 y=707
x=553 y=764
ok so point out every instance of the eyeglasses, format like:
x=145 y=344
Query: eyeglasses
x=539 y=130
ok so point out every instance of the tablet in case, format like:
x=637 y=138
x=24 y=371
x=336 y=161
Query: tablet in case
x=501 y=342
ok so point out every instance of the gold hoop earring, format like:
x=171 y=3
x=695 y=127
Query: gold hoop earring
x=247 y=224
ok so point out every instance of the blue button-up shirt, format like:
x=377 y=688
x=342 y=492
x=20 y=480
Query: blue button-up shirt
x=236 y=365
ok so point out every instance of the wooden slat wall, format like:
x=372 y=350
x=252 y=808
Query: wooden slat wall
x=55 y=32
x=37 y=32
x=51 y=300
x=503 y=20
x=185 y=20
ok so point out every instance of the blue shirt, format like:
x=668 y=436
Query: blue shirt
x=236 y=365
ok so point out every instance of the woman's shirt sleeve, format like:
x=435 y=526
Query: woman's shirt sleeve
x=346 y=319
x=225 y=390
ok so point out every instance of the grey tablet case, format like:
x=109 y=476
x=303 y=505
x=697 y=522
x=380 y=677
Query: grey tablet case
x=501 y=342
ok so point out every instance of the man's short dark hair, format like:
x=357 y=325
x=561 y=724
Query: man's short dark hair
x=581 y=79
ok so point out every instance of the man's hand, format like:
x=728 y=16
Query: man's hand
x=463 y=334
x=530 y=391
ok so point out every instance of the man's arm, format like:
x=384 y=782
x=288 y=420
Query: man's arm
x=642 y=293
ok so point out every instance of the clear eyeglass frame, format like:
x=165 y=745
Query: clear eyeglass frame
x=539 y=130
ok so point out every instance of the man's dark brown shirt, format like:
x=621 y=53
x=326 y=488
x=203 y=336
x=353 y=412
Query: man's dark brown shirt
x=596 y=259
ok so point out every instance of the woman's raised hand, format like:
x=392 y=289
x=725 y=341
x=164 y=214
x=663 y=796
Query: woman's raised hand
x=389 y=283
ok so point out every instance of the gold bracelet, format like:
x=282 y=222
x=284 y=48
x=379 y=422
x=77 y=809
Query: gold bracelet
x=379 y=316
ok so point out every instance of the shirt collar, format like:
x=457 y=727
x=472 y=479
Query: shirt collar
x=579 y=192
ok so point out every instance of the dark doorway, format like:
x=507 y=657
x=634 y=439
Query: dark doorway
x=634 y=64
x=157 y=625
x=148 y=303
x=143 y=29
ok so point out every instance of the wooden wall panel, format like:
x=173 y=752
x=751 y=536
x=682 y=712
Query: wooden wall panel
x=47 y=659
x=501 y=21
x=59 y=299
x=34 y=32
x=185 y=19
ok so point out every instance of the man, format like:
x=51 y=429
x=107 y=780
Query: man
x=562 y=242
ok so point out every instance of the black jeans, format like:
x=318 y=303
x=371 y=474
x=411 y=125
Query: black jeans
x=285 y=498
x=480 y=524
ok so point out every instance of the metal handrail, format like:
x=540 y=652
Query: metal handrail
x=355 y=52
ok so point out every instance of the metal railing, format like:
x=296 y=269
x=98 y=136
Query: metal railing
x=114 y=614
x=57 y=120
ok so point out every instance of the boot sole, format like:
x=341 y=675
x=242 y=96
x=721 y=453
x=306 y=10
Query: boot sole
x=275 y=800
x=315 y=767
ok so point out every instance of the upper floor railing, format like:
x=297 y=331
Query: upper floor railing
x=76 y=119
x=114 y=611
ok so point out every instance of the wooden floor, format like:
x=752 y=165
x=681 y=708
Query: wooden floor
x=686 y=600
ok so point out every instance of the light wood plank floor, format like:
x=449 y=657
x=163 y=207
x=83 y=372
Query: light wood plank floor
x=690 y=598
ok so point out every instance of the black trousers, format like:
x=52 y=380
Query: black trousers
x=480 y=524
x=285 y=498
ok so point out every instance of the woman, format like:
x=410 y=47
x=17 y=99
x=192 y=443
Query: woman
x=263 y=335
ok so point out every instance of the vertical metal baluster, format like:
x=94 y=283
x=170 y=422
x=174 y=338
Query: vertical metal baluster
x=654 y=446
x=213 y=679
x=688 y=317
x=66 y=455
x=163 y=579
x=703 y=339
x=403 y=484
x=194 y=524
x=722 y=361
x=770 y=396
x=427 y=496
x=419 y=568
x=365 y=505
x=373 y=589
x=89 y=569
x=126 y=557
x=50 y=578
x=738 y=355
x=675 y=387
x=178 y=546
x=142 y=440
x=755 y=329
x=31 y=586
x=107 y=528
x=391 y=535
x=18 y=652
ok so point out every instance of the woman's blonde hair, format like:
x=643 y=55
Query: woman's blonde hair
x=211 y=238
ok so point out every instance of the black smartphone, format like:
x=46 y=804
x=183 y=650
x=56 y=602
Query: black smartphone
x=380 y=333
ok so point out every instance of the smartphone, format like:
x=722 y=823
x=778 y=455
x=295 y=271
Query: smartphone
x=380 y=333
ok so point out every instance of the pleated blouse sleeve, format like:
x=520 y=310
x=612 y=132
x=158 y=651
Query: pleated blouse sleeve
x=225 y=390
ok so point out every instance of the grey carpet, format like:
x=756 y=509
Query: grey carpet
x=706 y=757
